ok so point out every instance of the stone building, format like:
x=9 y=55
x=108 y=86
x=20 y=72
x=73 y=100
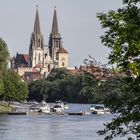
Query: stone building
x=40 y=60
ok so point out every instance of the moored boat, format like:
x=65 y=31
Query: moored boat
x=45 y=108
x=34 y=108
x=99 y=109
x=60 y=106
x=57 y=108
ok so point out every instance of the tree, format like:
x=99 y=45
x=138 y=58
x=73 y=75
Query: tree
x=122 y=36
x=89 y=84
x=3 y=62
x=14 y=88
x=3 y=55
x=58 y=74
x=1 y=86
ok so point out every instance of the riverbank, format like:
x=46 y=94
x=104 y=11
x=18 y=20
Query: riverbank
x=4 y=108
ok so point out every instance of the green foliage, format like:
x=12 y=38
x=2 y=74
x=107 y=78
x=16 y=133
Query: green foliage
x=11 y=86
x=3 y=56
x=88 y=90
x=109 y=91
x=59 y=74
x=14 y=88
x=1 y=86
x=3 y=62
x=122 y=36
x=122 y=98
x=62 y=85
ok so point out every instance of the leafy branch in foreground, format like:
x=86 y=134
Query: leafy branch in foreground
x=122 y=36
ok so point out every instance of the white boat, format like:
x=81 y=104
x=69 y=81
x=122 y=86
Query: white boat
x=34 y=108
x=99 y=109
x=92 y=108
x=66 y=106
x=58 y=107
x=45 y=108
x=63 y=104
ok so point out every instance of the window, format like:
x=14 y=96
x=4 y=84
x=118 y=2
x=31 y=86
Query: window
x=63 y=59
x=49 y=68
x=39 y=57
x=63 y=64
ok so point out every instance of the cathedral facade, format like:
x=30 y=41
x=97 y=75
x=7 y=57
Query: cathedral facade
x=41 y=59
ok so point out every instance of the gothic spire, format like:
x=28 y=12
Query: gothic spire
x=37 y=23
x=55 y=24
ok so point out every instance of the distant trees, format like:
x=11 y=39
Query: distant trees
x=122 y=36
x=62 y=85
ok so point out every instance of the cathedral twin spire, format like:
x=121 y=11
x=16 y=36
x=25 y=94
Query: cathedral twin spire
x=55 y=24
x=37 y=29
x=37 y=43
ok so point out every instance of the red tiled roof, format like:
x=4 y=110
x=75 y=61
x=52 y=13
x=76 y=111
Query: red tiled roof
x=35 y=70
x=62 y=50
x=38 y=66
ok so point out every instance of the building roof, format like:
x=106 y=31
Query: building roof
x=22 y=58
x=62 y=50
x=40 y=65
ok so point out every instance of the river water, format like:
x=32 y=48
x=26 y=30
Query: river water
x=54 y=127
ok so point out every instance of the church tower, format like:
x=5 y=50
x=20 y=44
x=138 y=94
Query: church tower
x=55 y=42
x=58 y=54
x=36 y=49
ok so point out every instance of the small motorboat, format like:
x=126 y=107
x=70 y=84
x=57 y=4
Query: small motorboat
x=99 y=109
x=45 y=108
x=63 y=104
x=66 y=106
x=34 y=108
x=92 y=108
x=57 y=108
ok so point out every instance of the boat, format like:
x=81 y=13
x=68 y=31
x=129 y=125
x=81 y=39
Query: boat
x=63 y=104
x=99 y=109
x=58 y=107
x=92 y=108
x=45 y=108
x=34 y=108
x=66 y=106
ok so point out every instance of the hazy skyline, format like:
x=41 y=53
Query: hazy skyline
x=78 y=25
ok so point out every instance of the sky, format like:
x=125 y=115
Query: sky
x=78 y=25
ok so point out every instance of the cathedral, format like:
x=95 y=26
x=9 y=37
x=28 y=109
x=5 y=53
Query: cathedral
x=41 y=59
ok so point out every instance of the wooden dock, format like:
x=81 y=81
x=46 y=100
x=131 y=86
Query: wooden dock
x=76 y=113
x=17 y=113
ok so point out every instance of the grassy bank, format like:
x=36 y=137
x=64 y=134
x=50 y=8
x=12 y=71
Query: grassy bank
x=4 y=108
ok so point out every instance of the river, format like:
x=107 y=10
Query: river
x=54 y=127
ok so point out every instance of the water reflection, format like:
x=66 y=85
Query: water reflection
x=53 y=127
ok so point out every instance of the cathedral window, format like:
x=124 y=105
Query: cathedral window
x=63 y=64
x=49 y=68
x=63 y=59
x=39 y=57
